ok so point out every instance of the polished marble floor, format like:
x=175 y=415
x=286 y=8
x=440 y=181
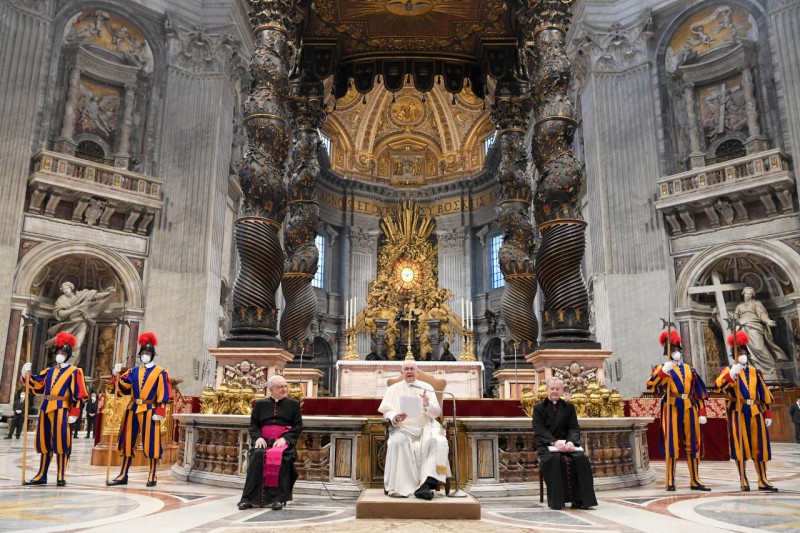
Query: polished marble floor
x=86 y=505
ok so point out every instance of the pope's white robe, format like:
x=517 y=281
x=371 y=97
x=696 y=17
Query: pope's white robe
x=417 y=448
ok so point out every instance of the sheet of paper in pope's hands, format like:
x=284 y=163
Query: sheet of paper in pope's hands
x=411 y=405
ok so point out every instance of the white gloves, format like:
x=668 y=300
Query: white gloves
x=702 y=419
x=158 y=418
x=667 y=367
x=735 y=369
x=26 y=369
x=117 y=369
x=73 y=419
x=768 y=422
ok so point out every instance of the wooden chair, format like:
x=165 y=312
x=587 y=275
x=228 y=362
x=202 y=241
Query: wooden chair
x=438 y=385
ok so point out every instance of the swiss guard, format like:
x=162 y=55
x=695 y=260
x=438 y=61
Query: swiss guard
x=150 y=391
x=749 y=413
x=63 y=388
x=682 y=409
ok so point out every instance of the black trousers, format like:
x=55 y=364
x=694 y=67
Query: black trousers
x=89 y=425
x=15 y=422
x=568 y=477
x=796 y=432
x=254 y=482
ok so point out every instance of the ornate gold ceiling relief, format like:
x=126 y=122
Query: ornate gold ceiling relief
x=408 y=139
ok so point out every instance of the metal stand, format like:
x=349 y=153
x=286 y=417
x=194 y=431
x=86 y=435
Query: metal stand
x=458 y=493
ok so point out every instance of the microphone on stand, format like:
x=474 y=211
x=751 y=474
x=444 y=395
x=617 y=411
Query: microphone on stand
x=458 y=493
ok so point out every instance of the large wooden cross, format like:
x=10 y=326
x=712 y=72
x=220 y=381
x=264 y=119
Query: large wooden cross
x=718 y=289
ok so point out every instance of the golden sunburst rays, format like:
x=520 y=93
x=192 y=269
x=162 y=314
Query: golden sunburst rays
x=408 y=8
x=410 y=227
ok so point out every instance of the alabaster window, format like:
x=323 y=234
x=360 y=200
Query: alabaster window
x=494 y=260
x=488 y=143
x=319 y=275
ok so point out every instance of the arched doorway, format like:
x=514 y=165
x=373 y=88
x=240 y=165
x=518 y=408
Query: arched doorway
x=491 y=355
x=38 y=282
x=323 y=360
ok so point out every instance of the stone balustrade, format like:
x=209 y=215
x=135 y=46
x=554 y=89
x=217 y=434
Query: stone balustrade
x=343 y=454
x=96 y=191
x=759 y=185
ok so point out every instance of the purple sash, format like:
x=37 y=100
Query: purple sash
x=273 y=456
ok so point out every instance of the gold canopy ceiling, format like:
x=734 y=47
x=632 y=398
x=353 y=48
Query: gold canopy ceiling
x=431 y=127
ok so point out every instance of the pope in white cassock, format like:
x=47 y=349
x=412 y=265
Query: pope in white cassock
x=416 y=453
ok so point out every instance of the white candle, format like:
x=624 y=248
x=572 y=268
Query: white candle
x=462 y=312
x=469 y=315
x=346 y=314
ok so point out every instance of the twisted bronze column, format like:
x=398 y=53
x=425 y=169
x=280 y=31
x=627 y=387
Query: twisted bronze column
x=510 y=113
x=306 y=114
x=556 y=200
x=254 y=313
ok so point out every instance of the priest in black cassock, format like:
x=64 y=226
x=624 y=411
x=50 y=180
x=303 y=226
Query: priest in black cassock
x=275 y=426
x=566 y=470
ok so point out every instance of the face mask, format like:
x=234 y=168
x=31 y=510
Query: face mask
x=742 y=359
x=21 y=396
x=676 y=356
x=60 y=358
x=94 y=398
x=145 y=358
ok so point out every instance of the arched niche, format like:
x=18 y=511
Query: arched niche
x=715 y=277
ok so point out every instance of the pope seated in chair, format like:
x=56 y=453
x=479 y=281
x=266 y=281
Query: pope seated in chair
x=416 y=452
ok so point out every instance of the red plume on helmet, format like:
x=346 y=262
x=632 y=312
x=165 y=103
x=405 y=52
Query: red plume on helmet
x=65 y=342
x=65 y=339
x=674 y=340
x=742 y=339
x=148 y=342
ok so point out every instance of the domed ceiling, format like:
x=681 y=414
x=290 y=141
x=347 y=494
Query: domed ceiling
x=407 y=138
x=410 y=77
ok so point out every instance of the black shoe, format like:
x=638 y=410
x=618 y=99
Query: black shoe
x=86 y=437
x=244 y=504
x=745 y=488
x=17 y=437
x=151 y=483
x=61 y=483
x=670 y=488
x=424 y=493
x=115 y=482
x=769 y=488
x=9 y=436
x=39 y=482
x=277 y=506
x=579 y=505
x=701 y=487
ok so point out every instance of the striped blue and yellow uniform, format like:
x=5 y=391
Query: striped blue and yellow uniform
x=150 y=391
x=749 y=402
x=63 y=388
x=683 y=402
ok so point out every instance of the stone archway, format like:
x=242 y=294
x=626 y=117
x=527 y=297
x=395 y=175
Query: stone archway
x=38 y=278
x=323 y=360
x=709 y=288
x=491 y=356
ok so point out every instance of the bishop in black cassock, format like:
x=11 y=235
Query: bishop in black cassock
x=277 y=410
x=568 y=475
